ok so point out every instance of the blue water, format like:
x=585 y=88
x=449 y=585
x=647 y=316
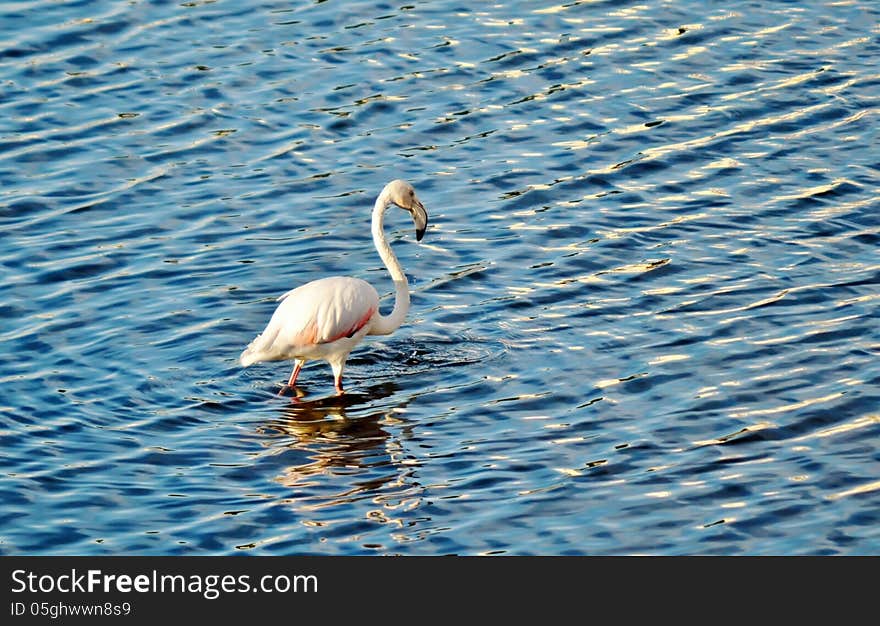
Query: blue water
x=644 y=316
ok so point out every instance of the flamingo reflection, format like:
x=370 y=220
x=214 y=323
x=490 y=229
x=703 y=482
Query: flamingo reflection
x=346 y=435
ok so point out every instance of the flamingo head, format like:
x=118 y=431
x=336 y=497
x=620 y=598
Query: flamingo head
x=402 y=194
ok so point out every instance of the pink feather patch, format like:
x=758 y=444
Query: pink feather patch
x=358 y=325
x=308 y=336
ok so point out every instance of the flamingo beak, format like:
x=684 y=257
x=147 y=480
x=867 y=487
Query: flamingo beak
x=420 y=217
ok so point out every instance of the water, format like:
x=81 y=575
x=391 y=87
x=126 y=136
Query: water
x=644 y=315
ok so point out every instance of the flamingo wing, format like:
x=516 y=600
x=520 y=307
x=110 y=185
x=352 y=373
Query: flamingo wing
x=319 y=312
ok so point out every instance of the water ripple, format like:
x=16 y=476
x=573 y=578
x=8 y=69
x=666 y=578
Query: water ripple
x=643 y=318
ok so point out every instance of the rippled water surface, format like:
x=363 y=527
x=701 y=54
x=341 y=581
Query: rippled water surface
x=644 y=318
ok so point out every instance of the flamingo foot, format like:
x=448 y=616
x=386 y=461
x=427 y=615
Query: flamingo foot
x=295 y=393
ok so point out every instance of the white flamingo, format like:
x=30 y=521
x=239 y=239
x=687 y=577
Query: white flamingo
x=326 y=318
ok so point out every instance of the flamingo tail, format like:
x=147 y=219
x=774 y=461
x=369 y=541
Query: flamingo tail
x=257 y=350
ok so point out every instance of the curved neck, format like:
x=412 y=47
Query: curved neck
x=387 y=324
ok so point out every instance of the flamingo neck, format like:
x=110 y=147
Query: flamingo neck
x=387 y=324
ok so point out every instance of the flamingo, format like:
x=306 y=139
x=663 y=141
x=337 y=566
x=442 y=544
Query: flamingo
x=326 y=318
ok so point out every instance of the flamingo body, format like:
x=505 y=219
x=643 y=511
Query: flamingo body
x=326 y=318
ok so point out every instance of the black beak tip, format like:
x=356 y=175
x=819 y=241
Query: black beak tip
x=419 y=234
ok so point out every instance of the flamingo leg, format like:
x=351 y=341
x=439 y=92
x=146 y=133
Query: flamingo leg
x=292 y=380
x=293 y=376
x=338 y=365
